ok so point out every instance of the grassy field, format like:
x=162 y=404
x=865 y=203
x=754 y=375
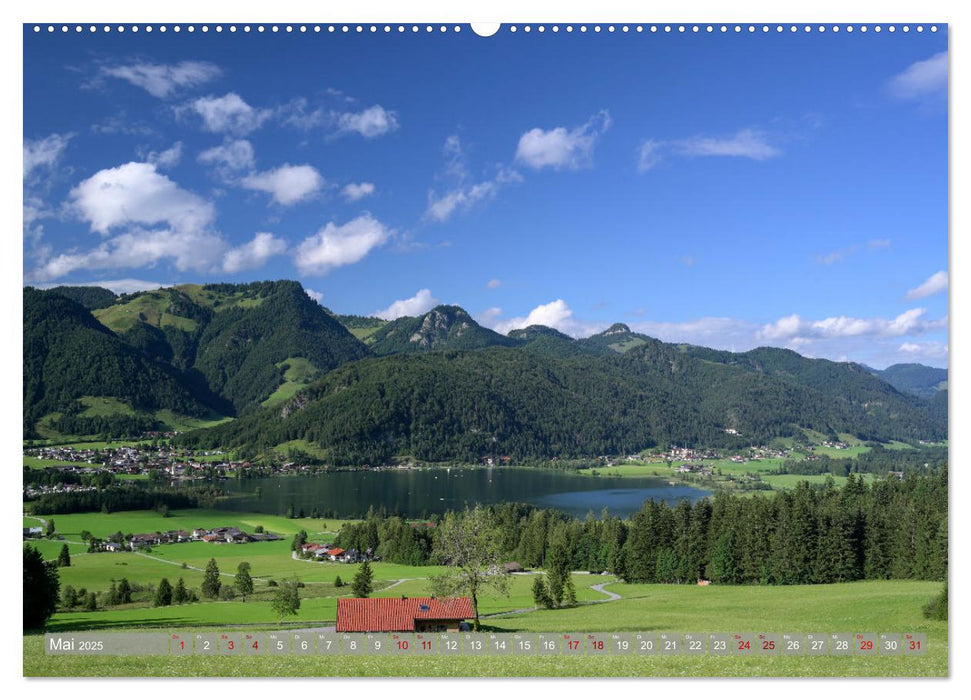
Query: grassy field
x=299 y=373
x=872 y=606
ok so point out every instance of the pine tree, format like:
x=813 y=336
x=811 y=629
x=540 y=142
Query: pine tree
x=41 y=588
x=338 y=583
x=180 y=594
x=244 y=582
x=69 y=597
x=362 y=585
x=569 y=592
x=64 y=558
x=112 y=598
x=163 y=594
x=91 y=602
x=210 y=582
x=51 y=528
x=541 y=595
x=124 y=591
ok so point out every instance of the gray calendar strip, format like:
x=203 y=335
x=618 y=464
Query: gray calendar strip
x=489 y=644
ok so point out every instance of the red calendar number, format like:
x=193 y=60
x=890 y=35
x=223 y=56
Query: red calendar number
x=744 y=645
x=574 y=644
x=866 y=645
x=768 y=645
x=426 y=645
x=402 y=643
x=231 y=645
x=598 y=645
x=914 y=645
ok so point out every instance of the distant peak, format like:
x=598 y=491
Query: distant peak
x=616 y=329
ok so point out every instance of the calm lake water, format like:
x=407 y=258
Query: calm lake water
x=413 y=493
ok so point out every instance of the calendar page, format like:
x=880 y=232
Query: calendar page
x=540 y=349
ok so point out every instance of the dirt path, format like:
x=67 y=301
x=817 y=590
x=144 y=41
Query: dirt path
x=194 y=568
x=599 y=588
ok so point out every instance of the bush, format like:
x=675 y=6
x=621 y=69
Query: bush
x=227 y=593
x=936 y=608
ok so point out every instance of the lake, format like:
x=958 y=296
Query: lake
x=417 y=492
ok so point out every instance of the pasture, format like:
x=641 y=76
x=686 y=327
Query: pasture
x=872 y=606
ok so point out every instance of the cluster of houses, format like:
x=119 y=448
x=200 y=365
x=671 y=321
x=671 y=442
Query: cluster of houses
x=328 y=552
x=694 y=469
x=34 y=490
x=217 y=535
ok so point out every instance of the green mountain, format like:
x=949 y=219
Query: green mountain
x=78 y=375
x=88 y=297
x=916 y=379
x=437 y=386
x=547 y=341
x=518 y=402
x=236 y=338
x=442 y=328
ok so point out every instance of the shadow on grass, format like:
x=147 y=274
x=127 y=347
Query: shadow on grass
x=94 y=625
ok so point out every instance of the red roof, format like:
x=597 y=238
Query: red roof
x=335 y=552
x=397 y=614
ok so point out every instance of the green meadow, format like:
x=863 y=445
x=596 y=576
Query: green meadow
x=870 y=606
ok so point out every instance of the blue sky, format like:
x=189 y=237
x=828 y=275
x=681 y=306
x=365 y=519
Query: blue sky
x=725 y=190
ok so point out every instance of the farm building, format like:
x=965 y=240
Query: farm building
x=402 y=614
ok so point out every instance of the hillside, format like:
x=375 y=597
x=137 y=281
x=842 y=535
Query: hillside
x=437 y=386
x=916 y=379
x=236 y=338
x=82 y=376
x=442 y=328
x=516 y=402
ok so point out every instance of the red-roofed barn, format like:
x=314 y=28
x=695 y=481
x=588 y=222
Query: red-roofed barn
x=402 y=614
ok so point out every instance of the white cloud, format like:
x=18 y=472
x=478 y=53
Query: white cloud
x=649 y=155
x=230 y=158
x=413 y=306
x=441 y=208
x=253 y=254
x=921 y=78
x=370 y=123
x=162 y=80
x=878 y=243
x=229 y=114
x=337 y=245
x=168 y=158
x=287 y=184
x=746 y=143
x=709 y=331
x=357 y=190
x=136 y=197
x=487 y=317
x=136 y=193
x=930 y=349
x=557 y=314
x=562 y=148
x=835 y=256
x=793 y=327
x=455 y=165
x=315 y=295
x=935 y=284
x=188 y=250
x=296 y=114
x=494 y=283
x=44 y=152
